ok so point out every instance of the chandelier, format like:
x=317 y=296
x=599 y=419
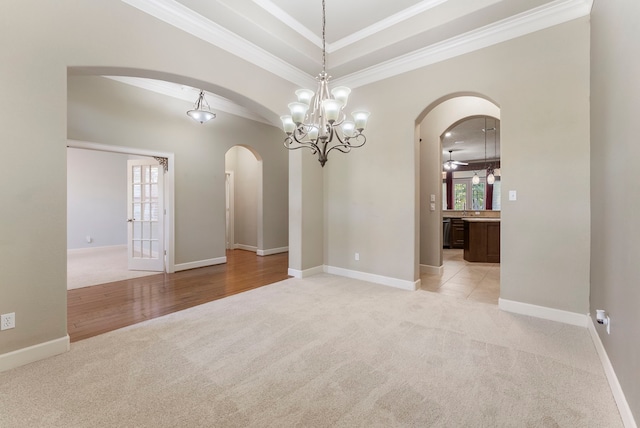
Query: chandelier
x=318 y=121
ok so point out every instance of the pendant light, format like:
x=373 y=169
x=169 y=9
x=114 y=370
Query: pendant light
x=476 y=178
x=201 y=111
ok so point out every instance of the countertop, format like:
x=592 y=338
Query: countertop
x=481 y=219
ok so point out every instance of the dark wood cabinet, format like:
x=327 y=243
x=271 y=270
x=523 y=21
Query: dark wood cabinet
x=457 y=233
x=482 y=241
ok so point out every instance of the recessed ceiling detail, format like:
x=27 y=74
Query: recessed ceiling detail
x=372 y=39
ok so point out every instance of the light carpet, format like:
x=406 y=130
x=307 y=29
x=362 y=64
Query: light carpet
x=99 y=265
x=324 y=351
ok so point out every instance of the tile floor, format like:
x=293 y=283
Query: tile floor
x=465 y=280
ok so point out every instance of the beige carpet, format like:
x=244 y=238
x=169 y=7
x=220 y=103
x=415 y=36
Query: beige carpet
x=100 y=265
x=321 y=352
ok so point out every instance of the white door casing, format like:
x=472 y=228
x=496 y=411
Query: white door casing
x=145 y=211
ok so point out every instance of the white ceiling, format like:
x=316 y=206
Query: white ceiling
x=367 y=40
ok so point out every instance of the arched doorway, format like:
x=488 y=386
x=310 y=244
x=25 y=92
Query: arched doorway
x=243 y=168
x=436 y=266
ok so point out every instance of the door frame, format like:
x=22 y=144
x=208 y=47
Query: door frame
x=169 y=189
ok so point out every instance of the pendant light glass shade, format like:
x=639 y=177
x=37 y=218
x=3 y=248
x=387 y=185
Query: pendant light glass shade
x=476 y=178
x=491 y=178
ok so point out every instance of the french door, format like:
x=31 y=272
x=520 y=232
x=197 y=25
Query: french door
x=145 y=211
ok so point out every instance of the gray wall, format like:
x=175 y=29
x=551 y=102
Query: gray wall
x=615 y=194
x=96 y=198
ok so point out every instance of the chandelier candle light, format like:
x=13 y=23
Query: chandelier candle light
x=318 y=118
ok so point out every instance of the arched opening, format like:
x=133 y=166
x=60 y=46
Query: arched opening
x=438 y=266
x=243 y=168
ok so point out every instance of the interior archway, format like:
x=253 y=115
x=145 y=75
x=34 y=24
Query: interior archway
x=430 y=126
x=243 y=167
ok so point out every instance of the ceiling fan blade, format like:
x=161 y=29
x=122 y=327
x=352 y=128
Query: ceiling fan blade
x=460 y=163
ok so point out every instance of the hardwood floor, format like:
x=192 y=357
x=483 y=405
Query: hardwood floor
x=101 y=308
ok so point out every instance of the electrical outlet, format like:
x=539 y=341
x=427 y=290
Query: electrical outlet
x=7 y=321
x=357 y=256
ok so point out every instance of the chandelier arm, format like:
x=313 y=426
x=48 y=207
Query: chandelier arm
x=302 y=144
x=341 y=148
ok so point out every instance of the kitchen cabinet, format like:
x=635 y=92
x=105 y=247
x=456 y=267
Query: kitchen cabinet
x=482 y=240
x=457 y=233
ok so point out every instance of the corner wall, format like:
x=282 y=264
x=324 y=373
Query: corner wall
x=615 y=195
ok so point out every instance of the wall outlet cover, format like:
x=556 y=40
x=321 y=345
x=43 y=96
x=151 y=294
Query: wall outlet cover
x=7 y=321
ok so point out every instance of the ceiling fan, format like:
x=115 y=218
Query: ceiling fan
x=452 y=164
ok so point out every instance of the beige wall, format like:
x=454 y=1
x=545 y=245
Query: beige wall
x=543 y=95
x=615 y=196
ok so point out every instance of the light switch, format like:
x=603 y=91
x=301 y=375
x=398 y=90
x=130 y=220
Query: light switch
x=512 y=195
x=433 y=198
x=432 y=207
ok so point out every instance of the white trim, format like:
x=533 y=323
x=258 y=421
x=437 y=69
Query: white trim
x=614 y=384
x=245 y=247
x=305 y=273
x=91 y=249
x=290 y=21
x=201 y=263
x=543 y=312
x=432 y=270
x=271 y=251
x=169 y=191
x=378 y=279
x=180 y=16
x=30 y=354
x=390 y=21
x=545 y=16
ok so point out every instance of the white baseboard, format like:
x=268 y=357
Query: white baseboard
x=305 y=273
x=614 y=384
x=543 y=312
x=378 y=279
x=271 y=251
x=432 y=270
x=245 y=247
x=23 y=356
x=200 y=263
x=96 y=249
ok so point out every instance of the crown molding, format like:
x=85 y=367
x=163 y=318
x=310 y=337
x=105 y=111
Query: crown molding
x=190 y=95
x=185 y=19
x=289 y=21
x=390 y=21
x=540 y=18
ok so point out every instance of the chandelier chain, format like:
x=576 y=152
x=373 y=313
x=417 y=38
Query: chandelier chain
x=324 y=24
